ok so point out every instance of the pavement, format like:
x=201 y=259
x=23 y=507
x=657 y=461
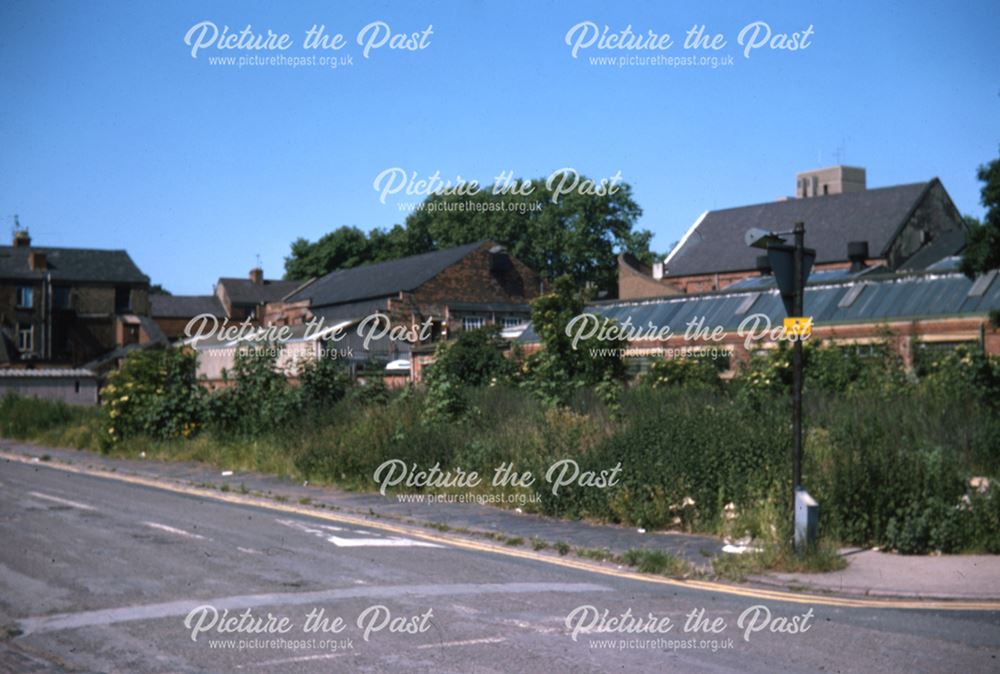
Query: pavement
x=114 y=572
x=870 y=573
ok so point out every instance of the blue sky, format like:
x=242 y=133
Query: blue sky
x=112 y=135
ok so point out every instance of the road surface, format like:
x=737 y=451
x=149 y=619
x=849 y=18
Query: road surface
x=100 y=575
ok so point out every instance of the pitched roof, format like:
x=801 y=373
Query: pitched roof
x=245 y=291
x=872 y=296
x=716 y=244
x=71 y=264
x=381 y=278
x=185 y=306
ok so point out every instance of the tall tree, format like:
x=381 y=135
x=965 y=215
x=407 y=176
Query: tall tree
x=982 y=251
x=575 y=234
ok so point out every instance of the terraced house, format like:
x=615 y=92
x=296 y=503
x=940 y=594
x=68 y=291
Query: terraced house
x=69 y=306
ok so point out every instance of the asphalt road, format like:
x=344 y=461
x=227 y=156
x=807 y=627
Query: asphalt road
x=104 y=576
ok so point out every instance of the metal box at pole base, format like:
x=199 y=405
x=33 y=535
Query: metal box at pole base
x=806 y=520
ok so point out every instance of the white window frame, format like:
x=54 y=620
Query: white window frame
x=26 y=338
x=473 y=322
x=22 y=292
x=509 y=322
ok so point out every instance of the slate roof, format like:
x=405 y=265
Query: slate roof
x=185 y=306
x=381 y=279
x=882 y=296
x=716 y=244
x=245 y=291
x=71 y=264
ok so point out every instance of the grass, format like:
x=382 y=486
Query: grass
x=821 y=559
x=657 y=562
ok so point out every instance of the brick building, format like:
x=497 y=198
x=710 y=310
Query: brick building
x=904 y=228
x=69 y=306
x=868 y=309
x=235 y=299
x=460 y=288
x=173 y=312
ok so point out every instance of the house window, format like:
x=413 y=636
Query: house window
x=25 y=337
x=511 y=322
x=123 y=300
x=60 y=297
x=25 y=297
x=472 y=322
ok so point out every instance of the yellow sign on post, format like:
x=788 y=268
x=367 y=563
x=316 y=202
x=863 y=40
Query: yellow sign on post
x=800 y=327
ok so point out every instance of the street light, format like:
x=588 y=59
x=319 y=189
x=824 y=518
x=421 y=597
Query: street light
x=790 y=265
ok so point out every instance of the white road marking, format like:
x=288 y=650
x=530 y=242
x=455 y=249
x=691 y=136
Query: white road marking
x=249 y=551
x=467 y=642
x=172 y=530
x=63 y=501
x=371 y=540
x=113 y=616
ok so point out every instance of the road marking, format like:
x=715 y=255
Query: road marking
x=63 y=501
x=369 y=541
x=301 y=658
x=170 y=609
x=508 y=551
x=172 y=530
x=467 y=642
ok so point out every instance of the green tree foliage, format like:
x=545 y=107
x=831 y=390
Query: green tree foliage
x=558 y=368
x=348 y=247
x=576 y=234
x=153 y=393
x=982 y=252
x=475 y=358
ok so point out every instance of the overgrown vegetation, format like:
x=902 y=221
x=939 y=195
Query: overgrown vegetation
x=905 y=460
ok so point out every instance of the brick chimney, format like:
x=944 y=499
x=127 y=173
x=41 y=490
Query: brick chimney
x=832 y=180
x=257 y=276
x=22 y=239
x=36 y=260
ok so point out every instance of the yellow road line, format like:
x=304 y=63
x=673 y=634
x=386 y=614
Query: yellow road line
x=507 y=551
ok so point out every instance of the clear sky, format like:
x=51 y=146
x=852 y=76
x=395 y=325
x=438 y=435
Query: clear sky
x=112 y=135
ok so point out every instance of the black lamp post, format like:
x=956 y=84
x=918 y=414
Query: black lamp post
x=791 y=265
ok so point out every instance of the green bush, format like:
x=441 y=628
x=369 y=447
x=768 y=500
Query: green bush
x=684 y=371
x=475 y=358
x=153 y=393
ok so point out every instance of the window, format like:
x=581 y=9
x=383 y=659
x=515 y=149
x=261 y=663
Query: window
x=511 y=322
x=25 y=337
x=25 y=297
x=472 y=323
x=60 y=297
x=123 y=300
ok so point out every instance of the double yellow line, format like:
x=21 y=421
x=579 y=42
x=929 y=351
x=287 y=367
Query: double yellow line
x=507 y=551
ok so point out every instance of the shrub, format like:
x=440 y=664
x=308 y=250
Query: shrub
x=153 y=393
x=684 y=371
x=260 y=399
x=475 y=358
x=323 y=382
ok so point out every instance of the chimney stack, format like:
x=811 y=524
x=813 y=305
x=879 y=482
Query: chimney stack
x=857 y=253
x=22 y=239
x=257 y=276
x=832 y=180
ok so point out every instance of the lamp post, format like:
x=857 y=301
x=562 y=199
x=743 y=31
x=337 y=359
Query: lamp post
x=791 y=266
